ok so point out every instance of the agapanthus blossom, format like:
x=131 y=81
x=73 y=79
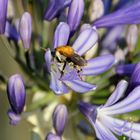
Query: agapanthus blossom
x=72 y=77
x=102 y=117
x=16 y=97
x=133 y=72
x=127 y=15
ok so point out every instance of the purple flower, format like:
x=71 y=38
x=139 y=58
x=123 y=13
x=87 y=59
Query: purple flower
x=71 y=77
x=3 y=14
x=11 y=32
x=75 y=14
x=135 y=77
x=25 y=29
x=55 y=7
x=112 y=38
x=125 y=69
x=52 y=136
x=59 y=118
x=102 y=117
x=107 y=5
x=16 y=97
x=126 y=15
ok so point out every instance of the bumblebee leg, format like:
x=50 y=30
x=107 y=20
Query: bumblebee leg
x=63 y=68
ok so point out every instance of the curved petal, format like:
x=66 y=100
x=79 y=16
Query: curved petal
x=80 y=86
x=61 y=35
x=102 y=132
x=117 y=94
x=98 y=65
x=48 y=58
x=125 y=69
x=56 y=85
x=130 y=103
x=85 y=41
x=14 y=118
x=127 y=15
x=130 y=129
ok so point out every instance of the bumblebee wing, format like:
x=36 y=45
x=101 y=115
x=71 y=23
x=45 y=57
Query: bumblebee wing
x=78 y=60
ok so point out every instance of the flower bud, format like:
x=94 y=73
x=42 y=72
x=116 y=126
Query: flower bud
x=55 y=7
x=16 y=96
x=59 y=118
x=75 y=14
x=52 y=136
x=3 y=14
x=25 y=29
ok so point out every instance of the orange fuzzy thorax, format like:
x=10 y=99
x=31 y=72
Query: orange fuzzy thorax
x=67 y=51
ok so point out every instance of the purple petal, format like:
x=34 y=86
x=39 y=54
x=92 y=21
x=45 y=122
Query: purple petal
x=125 y=69
x=25 y=29
x=11 y=32
x=79 y=86
x=56 y=85
x=48 y=58
x=61 y=35
x=3 y=14
x=71 y=74
x=128 y=15
x=130 y=103
x=135 y=78
x=85 y=41
x=75 y=14
x=130 y=129
x=52 y=136
x=117 y=94
x=98 y=65
x=59 y=118
x=14 y=118
x=102 y=132
x=112 y=37
x=55 y=7
x=16 y=93
x=90 y=111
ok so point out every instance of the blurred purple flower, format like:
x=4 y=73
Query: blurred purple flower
x=126 y=15
x=11 y=32
x=133 y=72
x=52 y=136
x=125 y=69
x=25 y=29
x=75 y=14
x=16 y=97
x=71 y=77
x=101 y=117
x=59 y=118
x=3 y=14
x=112 y=38
x=55 y=7
x=107 y=6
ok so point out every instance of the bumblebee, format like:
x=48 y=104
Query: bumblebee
x=66 y=54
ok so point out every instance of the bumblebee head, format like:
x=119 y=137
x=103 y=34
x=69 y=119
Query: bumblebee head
x=66 y=51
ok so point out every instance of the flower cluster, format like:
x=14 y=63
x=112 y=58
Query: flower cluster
x=78 y=58
x=102 y=117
